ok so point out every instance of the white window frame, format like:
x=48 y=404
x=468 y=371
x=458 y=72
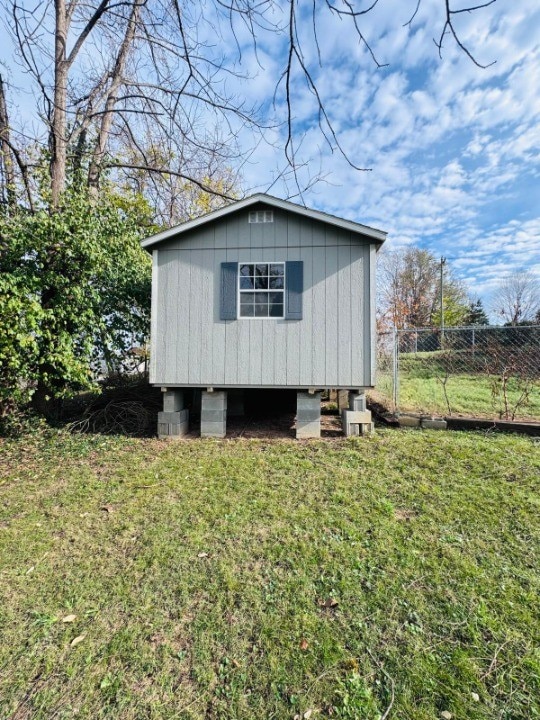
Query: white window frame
x=261 y=216
x=239 y=292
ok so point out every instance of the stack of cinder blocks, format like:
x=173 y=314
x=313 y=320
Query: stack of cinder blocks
x=356 y=420
x=214 y=414
x=308 y=415
x=174 y=420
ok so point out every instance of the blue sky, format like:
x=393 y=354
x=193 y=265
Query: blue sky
x=453 y=149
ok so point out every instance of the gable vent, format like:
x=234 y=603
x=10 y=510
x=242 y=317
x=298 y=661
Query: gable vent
x=261 y=216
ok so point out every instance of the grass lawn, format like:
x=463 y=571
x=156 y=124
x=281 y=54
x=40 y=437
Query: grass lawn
x=270 y=579
x=468 y=394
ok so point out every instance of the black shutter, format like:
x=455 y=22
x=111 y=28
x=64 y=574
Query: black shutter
x=227 y=305
x=294 y=277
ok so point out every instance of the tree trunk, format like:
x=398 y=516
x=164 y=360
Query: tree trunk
x=58 y=128
x=100 y=148
x=5 y=149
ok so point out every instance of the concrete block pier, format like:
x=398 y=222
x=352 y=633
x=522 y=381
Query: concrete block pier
x=173 y=422
x=214 y=413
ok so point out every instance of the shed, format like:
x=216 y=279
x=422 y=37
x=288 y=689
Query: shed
x=262 y=293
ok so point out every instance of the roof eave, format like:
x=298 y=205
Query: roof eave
x=375 y=234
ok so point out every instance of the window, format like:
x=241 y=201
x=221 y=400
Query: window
x=261 y=287
x=261 y=216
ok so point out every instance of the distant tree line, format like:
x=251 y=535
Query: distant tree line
x=409 y=294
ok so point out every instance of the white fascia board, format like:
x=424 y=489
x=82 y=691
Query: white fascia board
x=365 y=230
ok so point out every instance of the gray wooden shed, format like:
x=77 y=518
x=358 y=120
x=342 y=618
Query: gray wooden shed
x=262 y=293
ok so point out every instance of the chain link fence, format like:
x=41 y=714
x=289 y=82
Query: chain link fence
x=485 y=372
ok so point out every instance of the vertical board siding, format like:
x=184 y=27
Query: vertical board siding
x=318 y=300
x=344 y=355
x=372 y=349
x=357 y=314
x=195 y=317
x=219 y=328
x=153 y=317
x=330 y=346
x=306 y=326
x=207 y=317
x=294 y=352
x=230 y=351
x=332 y=317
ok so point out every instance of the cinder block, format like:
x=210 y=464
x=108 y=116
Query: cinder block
x=213 y=415
x=213 y=429
x=178 y=429
x=409 y=421
x=367 y=428
x=357 y=401
x=172 y=430
x=432 y=424
x=173 y=417
x=214 y=401
x=309 y=415
x=353 y=421
x=305 y=401
x=308 y=429
x=357 y=416
x=173 y=400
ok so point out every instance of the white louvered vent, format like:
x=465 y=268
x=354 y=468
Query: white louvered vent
x=261 y=216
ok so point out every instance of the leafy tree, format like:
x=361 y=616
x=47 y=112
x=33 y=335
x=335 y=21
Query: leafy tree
x=75 y=285
x=476 y=313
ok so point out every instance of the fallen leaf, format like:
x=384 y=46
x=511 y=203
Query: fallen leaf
x=475 y=697
x=30 y=569
x=202 y=555
x=69 y=618
x=446 y=715
x=329 y=603
x=77 y=640
x=107 y=508
x=304 y=644
x=308 y=714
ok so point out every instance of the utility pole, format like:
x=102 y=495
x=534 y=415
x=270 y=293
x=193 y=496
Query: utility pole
x=443 y=261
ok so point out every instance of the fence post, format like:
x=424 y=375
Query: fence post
x=395 y=368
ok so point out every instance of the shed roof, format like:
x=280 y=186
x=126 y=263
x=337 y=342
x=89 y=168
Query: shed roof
x=376 y=235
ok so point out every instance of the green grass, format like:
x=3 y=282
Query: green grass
x=265 y=579
x=468 y=394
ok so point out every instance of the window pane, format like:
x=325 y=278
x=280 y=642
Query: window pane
x=261 y=310
x=246 y=270
x=246 y=283
x=275 y=297
x=261 y=270
x=276 y=310
x=247 y=310
x=276 y=283
x=247 y=298
x=277 y=269
x=261 y=283
x=261 y=299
